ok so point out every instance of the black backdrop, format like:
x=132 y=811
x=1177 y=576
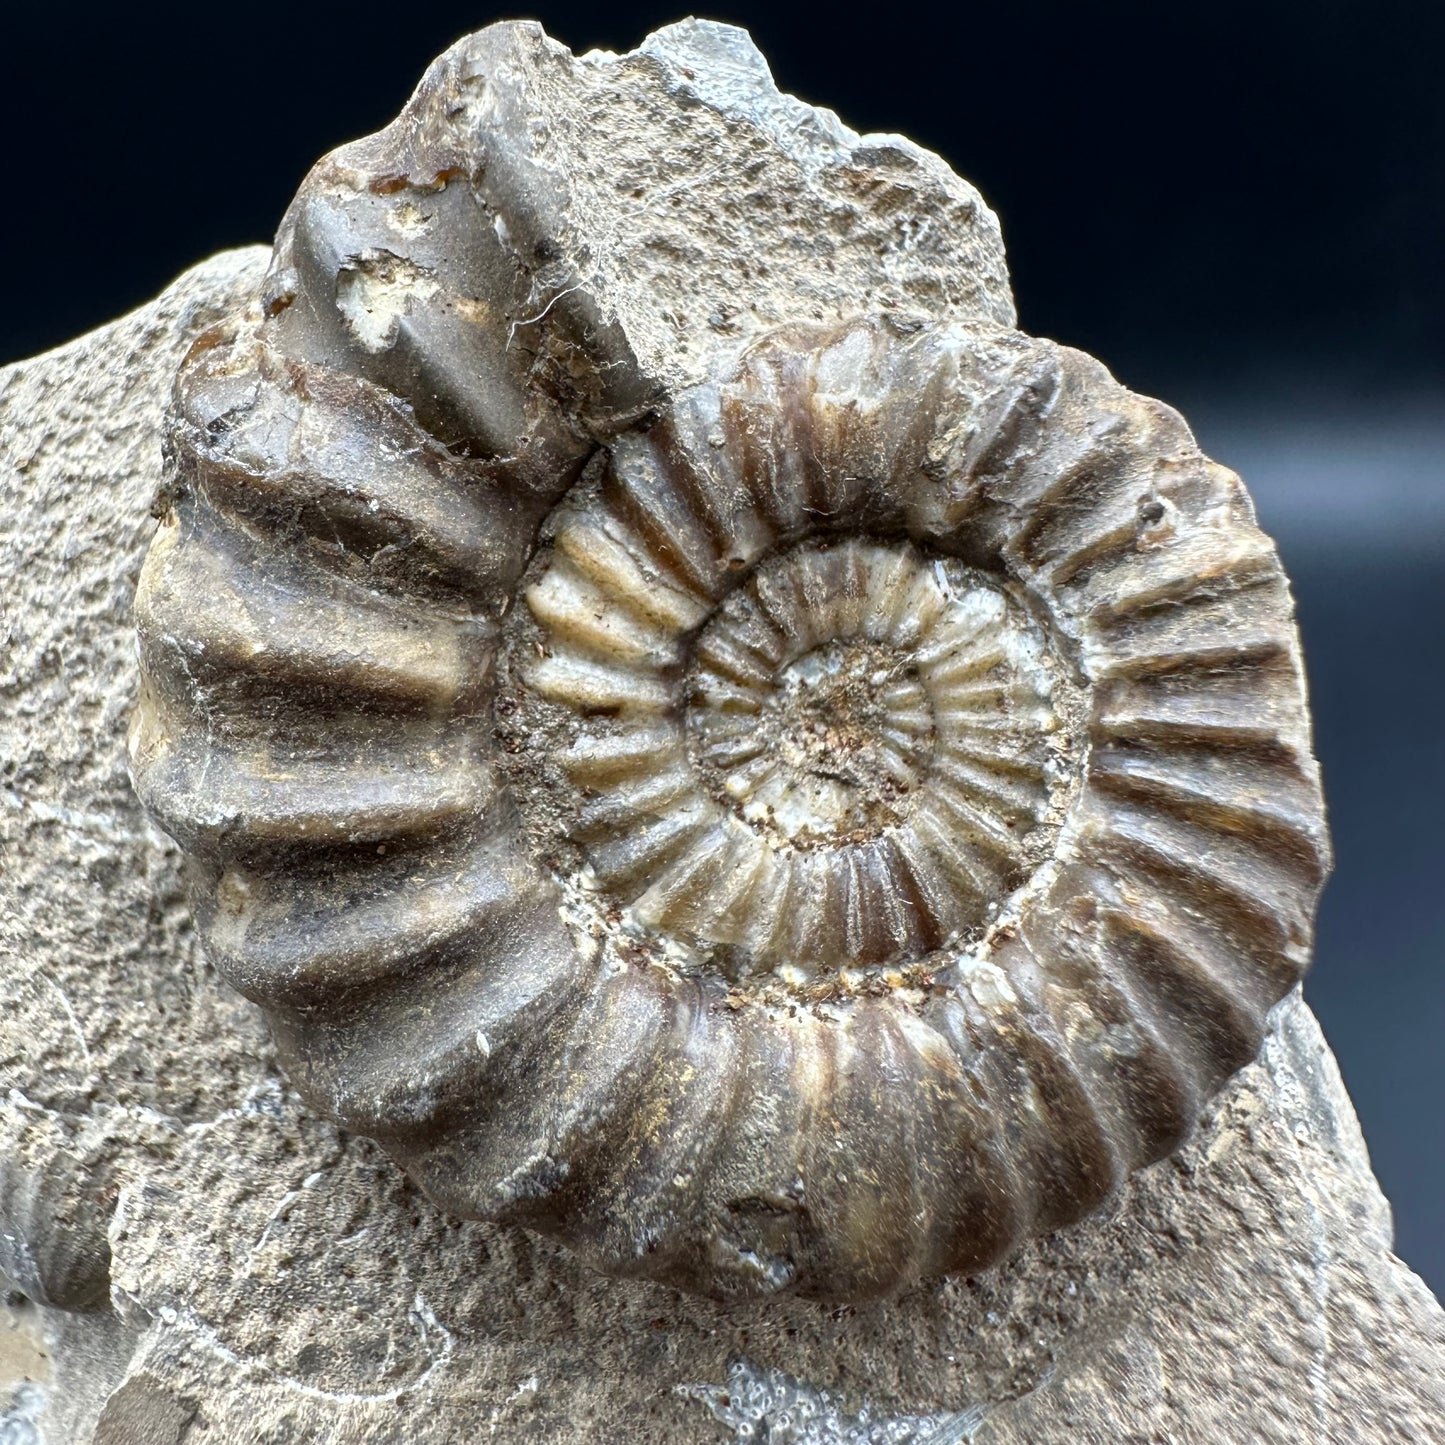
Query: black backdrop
x=1239 y=205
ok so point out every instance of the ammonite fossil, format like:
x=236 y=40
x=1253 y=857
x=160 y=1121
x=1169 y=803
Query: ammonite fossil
x=806 y=832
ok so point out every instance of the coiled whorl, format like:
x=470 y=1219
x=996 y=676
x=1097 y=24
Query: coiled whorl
x=810 y=833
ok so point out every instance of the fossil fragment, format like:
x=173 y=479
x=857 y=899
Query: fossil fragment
x=805 y=832
x=53 y=1244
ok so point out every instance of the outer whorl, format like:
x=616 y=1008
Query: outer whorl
x=809 y=833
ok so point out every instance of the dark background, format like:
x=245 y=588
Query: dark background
x=1239 y=207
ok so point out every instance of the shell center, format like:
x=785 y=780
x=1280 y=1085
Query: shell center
x=842 y=736
x=848 y=755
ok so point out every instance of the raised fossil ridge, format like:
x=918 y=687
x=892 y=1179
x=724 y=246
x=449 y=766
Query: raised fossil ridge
x=806 y=831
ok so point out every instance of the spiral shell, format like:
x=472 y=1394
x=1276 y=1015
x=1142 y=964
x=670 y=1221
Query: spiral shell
x=807 y=834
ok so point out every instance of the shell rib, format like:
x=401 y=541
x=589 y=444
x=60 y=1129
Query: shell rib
x=834 y=835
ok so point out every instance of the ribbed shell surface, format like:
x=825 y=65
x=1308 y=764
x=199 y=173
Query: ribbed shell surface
x=806 y=833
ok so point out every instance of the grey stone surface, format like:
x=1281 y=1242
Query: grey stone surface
x=701 y=205
x=254 y=1276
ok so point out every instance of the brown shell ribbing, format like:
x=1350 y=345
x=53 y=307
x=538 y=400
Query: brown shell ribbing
x=835 y=834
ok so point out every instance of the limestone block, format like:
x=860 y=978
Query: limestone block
x=205 y=1258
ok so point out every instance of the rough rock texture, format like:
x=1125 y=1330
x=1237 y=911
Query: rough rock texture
x=271 y=1280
